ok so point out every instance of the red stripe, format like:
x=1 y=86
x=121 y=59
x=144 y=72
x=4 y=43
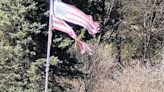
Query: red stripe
x=59 y=23
x=76 y=21
x=65 y=31
x=79 y=11
x=60 y=29
x=79 y=15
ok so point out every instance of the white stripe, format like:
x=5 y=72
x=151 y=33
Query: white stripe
x=76 y=11
x=60 y=7
x=75 y=16
x=66 y=28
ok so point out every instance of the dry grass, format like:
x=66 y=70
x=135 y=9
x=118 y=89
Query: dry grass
x=106 y=76
x=135 y=79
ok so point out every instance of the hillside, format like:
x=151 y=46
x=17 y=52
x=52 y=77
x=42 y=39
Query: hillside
x=128 y=52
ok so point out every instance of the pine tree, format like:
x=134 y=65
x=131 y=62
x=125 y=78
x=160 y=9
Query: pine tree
x=17 y=46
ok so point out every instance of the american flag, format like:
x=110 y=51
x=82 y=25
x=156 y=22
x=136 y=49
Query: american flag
x=61 y=12
x=62 y=26
x=74 y=15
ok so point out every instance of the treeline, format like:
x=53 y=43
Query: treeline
x=130 y=30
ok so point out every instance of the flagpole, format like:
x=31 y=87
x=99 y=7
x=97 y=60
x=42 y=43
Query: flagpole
x=48 y=46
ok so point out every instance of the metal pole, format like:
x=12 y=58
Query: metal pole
x=48 y=46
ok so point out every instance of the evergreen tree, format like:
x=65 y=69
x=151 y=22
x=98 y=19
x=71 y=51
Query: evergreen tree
x=17 y=46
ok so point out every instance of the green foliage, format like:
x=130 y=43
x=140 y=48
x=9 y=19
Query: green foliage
x=54 y=60
x=64 y=43
x=15 y=33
